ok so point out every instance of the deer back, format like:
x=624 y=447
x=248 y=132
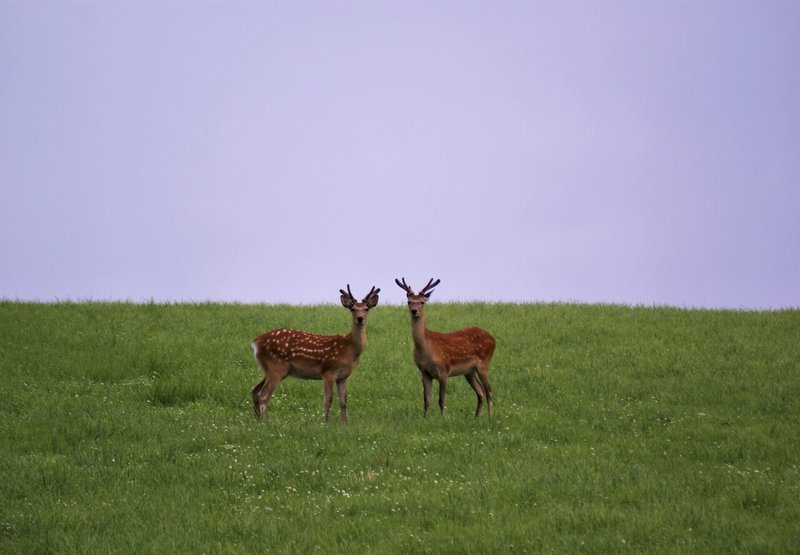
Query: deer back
x=299 y=348
x=460 y=346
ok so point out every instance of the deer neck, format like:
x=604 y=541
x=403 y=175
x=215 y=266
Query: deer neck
x=418 y=331
x=358 y=338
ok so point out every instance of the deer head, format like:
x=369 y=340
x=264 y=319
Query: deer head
x=416 y=301
x=359 y=309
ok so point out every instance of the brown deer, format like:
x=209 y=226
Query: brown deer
x=466 y=352
x=330 y=358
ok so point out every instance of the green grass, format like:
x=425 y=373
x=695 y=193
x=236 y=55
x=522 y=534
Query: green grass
x=129 y=428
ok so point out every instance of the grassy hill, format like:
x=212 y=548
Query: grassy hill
x=129 y=428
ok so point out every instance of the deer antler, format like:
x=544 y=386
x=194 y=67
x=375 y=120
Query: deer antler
x=404 y=286
x=372 y=292
x=431 y=285
x=348 y=293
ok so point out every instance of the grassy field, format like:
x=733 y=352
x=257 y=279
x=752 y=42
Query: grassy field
x=129 y=428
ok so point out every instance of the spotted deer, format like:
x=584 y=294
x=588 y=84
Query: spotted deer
x=330 y=358
x=466 y=352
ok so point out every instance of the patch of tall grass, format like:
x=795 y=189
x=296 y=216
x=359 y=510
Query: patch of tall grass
x=649 y=429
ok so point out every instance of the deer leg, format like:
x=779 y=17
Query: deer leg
x=483 y=376
x=273 y=374
x=254 y=392
x=341 y=388
x=472 y=378
x=442 y=391
x=264 y=395
x=427 y=383
x=327 y=394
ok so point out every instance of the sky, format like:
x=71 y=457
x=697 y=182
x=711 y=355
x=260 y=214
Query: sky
x=643 y=153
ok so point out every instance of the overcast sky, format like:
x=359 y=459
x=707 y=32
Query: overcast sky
x=615 y=152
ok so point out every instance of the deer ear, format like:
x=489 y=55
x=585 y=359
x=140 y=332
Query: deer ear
x=347 y=302
x=428 y=294
x=372 y=300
